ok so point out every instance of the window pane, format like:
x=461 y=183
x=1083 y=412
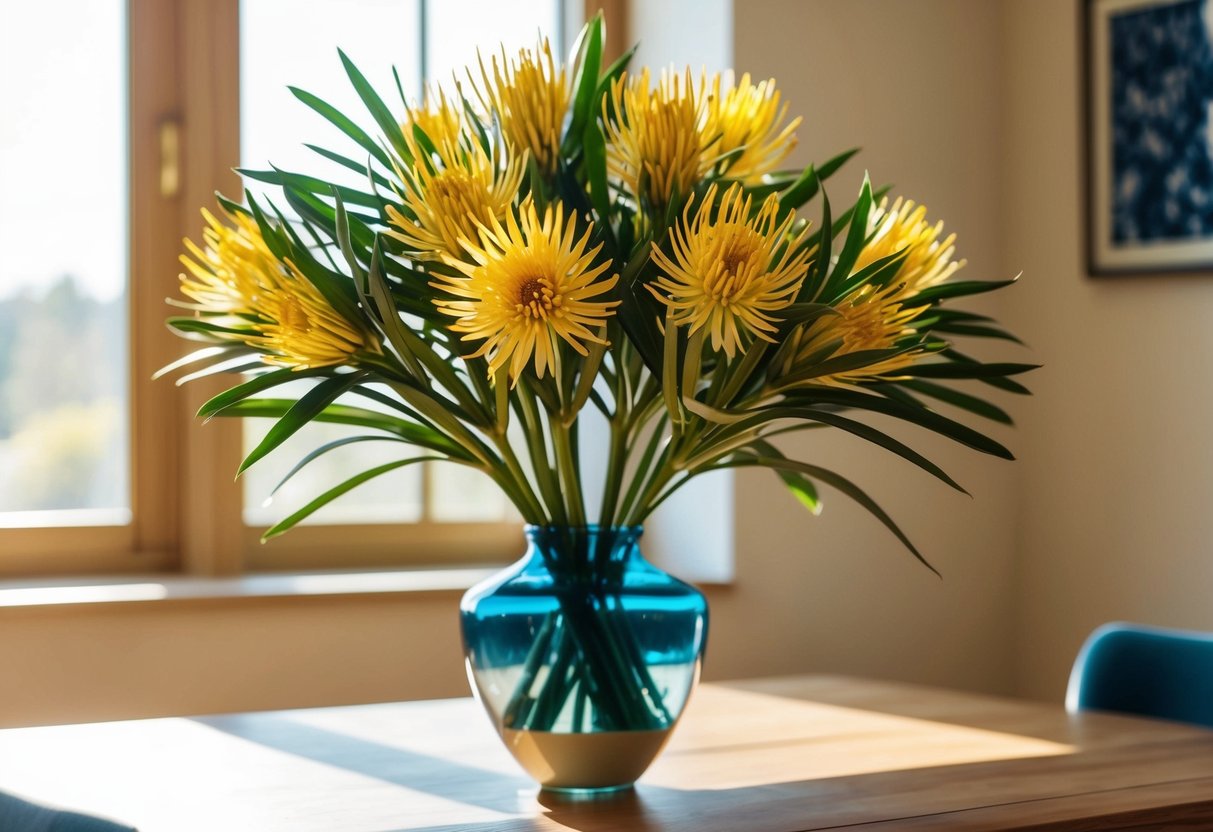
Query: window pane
x=457 y=29
x=63 y=232
x=288 y=42
x=295 y=43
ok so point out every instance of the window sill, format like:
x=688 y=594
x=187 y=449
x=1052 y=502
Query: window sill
x=156 y=589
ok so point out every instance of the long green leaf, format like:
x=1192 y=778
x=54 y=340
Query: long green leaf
x=251 y=387
x=920 y=416
x=585 y=83
x=342 y=414
x=309 y=406
x=388 y=123
x=964 y=401
x=959 y=370
x=335 y=492
x=800 y=486
x=344 y=124
x=211 y=355
x=851 y=490
x=326 y=448
x=956 y=289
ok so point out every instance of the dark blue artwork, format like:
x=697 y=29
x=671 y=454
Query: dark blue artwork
x=1162 y=89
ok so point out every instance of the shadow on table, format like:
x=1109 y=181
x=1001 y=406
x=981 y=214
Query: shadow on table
x=438 y=776
x=898 y=791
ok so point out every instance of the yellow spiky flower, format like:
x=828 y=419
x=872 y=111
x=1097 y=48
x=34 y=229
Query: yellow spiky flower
x=440 y=118
x=528 y=289
x=731 y=267
x=904 y=227
x=268 y=304
x=870 y=318
x=655 y=144
x=530 y=96
x=450 y=193
x=234 y=271
x=750 y=116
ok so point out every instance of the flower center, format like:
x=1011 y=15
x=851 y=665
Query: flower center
x=536 y=298
x=732 y=278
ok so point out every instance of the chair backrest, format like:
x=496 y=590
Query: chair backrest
x=1145 y=670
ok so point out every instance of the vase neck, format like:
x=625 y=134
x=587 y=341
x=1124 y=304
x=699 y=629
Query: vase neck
x=585 y=552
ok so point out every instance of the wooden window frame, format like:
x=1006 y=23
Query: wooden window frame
x=183 y=79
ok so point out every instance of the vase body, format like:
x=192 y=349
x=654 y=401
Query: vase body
x=584 y=655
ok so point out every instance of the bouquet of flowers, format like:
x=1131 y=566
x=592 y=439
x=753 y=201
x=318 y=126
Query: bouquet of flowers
x=534 y=240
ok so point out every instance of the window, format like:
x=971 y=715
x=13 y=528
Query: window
x=121 y=119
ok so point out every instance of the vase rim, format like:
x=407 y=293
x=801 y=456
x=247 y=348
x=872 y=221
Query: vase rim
x=636 y=529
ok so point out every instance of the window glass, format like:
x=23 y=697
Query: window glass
x=289 y=42
x=457 y=29
x=63 y=274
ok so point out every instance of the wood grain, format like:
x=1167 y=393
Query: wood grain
x=780 y=755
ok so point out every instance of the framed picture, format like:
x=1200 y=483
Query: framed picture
x=1149 y=67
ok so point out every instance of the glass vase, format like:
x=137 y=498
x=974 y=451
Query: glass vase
x=584 y=655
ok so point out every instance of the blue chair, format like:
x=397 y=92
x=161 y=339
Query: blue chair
x=1149 y=671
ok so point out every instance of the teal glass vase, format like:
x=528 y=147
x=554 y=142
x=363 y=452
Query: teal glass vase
x=584 y=655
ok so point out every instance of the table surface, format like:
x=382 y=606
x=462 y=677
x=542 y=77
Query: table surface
x=796 y=753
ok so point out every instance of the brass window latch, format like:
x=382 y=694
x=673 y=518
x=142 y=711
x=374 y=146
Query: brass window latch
x=170 y=157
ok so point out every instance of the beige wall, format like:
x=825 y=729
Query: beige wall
x=971 y=108
x=1117 y=473
x=837 y=592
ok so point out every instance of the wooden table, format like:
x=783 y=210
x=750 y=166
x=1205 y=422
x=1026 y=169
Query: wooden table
x=777 y=754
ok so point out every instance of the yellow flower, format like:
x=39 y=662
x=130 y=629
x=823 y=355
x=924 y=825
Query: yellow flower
x=928 y=260
x=749 y=115
x=528 y=289
x=870 y=318
x=274 y=307
x=447 y=195
x=304 y=331
x=440 y=119
x=233 y=273
x=530 y=97
x=731 y=268
x=655 y=145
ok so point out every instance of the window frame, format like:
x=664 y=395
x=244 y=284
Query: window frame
x=183 y=100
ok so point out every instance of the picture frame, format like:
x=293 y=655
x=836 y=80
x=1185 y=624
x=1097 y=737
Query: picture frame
x=1149 y=136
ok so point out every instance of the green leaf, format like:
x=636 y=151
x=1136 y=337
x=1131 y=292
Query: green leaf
x=324 y=449
x=964 y=401
x=585 y=83
x=346 y=162
x=594 y=147
x=974 y=331
x=244 y=364
x=250 y=388
x=311 y=184
x=343 y=123
x=211 y=355
x=809 y=182
x=959 y=288
x=309 y=406
x=388 y=123
x=335 y=492
x=914 y=414
x=857 y=236
x=801 y=487
x=201 y=326
x=848 y=488
x=966 y=370
x=342 y=414
x=638 y=317
x=876 y=437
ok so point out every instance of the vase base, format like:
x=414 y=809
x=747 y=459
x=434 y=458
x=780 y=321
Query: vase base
x=585 y=765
